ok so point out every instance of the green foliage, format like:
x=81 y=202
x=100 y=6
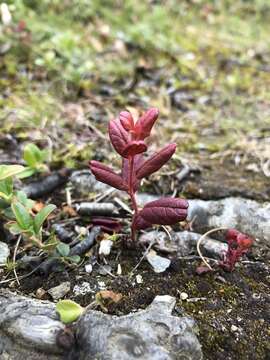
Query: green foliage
x=7 y=171
x=63 y=251
x=27 y=224
x=69 y=311
x=35 y=160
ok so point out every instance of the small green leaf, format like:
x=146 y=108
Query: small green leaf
x=63 y=249
x=27 y=173
x=74 y=258
x=68 y=310
x=6 y=187
x=7 y=171
x=23 y=199
x=42 y=216
x=15 y=229
x=32 y=155
x=22 y=216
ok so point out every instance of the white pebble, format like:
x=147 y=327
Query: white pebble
x=105 y=247
x=88 y=268
x=139 y=279
x=183 y=296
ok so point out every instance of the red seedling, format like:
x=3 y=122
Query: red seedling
x=127 y=138
x=238 y=245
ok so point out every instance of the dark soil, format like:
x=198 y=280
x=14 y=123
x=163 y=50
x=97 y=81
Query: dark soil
x=231 y=309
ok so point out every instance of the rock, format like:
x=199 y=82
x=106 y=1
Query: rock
x=30 y=329
x=159 y=263
x=105 y=247
x=183 y=296
x=4 y=252
x=151 y=334
x=27 y=323
x=84 y=182
x=183 y=243
x=88 y=268
x=247 y=216
x=58 y=292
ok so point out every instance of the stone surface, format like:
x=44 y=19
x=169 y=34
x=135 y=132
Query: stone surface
x=58 y=292
x=183 y=243
x=151 y=334
x=247 y=216
x=4 y=252
x=30 y=329
x=158 y=263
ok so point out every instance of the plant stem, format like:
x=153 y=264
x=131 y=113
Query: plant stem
x=130 y=184
x=132 y=194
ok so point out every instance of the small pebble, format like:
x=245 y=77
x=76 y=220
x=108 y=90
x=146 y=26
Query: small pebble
x=159 y=263
x=88 y=268
x=59 y=291
x=139 y=279
x=183 y=296
x=234 y=328
x=40 y=293
x=105 y=247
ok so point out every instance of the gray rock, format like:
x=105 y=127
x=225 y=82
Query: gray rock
x=151 y=334
x=4 y=252
x=183 y=243
x=159 y=263
x=58 y=292
x=84 y=182
x=247 y=216
x=30 y=328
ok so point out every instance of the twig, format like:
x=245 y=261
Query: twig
x=200 y=241
x=123 y=205
x=14 y=259
x=142 y=258
x=103 y=196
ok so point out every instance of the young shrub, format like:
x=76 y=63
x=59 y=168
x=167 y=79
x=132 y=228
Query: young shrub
x=128 y=139
x=238 y=245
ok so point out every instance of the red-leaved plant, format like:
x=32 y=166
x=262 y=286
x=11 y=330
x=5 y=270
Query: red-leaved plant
x=238 y=245
x=128 y=139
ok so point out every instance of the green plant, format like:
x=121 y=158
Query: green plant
x=7 y=193
x=26 y=223
x=69 y=311
x=35 y=160
x=63 y=252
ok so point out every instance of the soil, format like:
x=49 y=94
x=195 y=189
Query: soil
x=231 y=309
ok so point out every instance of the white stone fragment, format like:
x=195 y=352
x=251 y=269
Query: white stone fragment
x=159 y=263
x=139 y=279
x=105 y=247
x=88 y=268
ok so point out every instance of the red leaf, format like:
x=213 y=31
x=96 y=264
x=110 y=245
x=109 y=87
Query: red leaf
x=118 y=136
x=145 y=123
x=126 y=120
x=134 y=148
x=139 y=223
x=107 y=225
x=156 y=161
x=106 y=175
x=165 y=211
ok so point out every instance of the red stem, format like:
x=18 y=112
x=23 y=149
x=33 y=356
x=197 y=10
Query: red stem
x=132 y=193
